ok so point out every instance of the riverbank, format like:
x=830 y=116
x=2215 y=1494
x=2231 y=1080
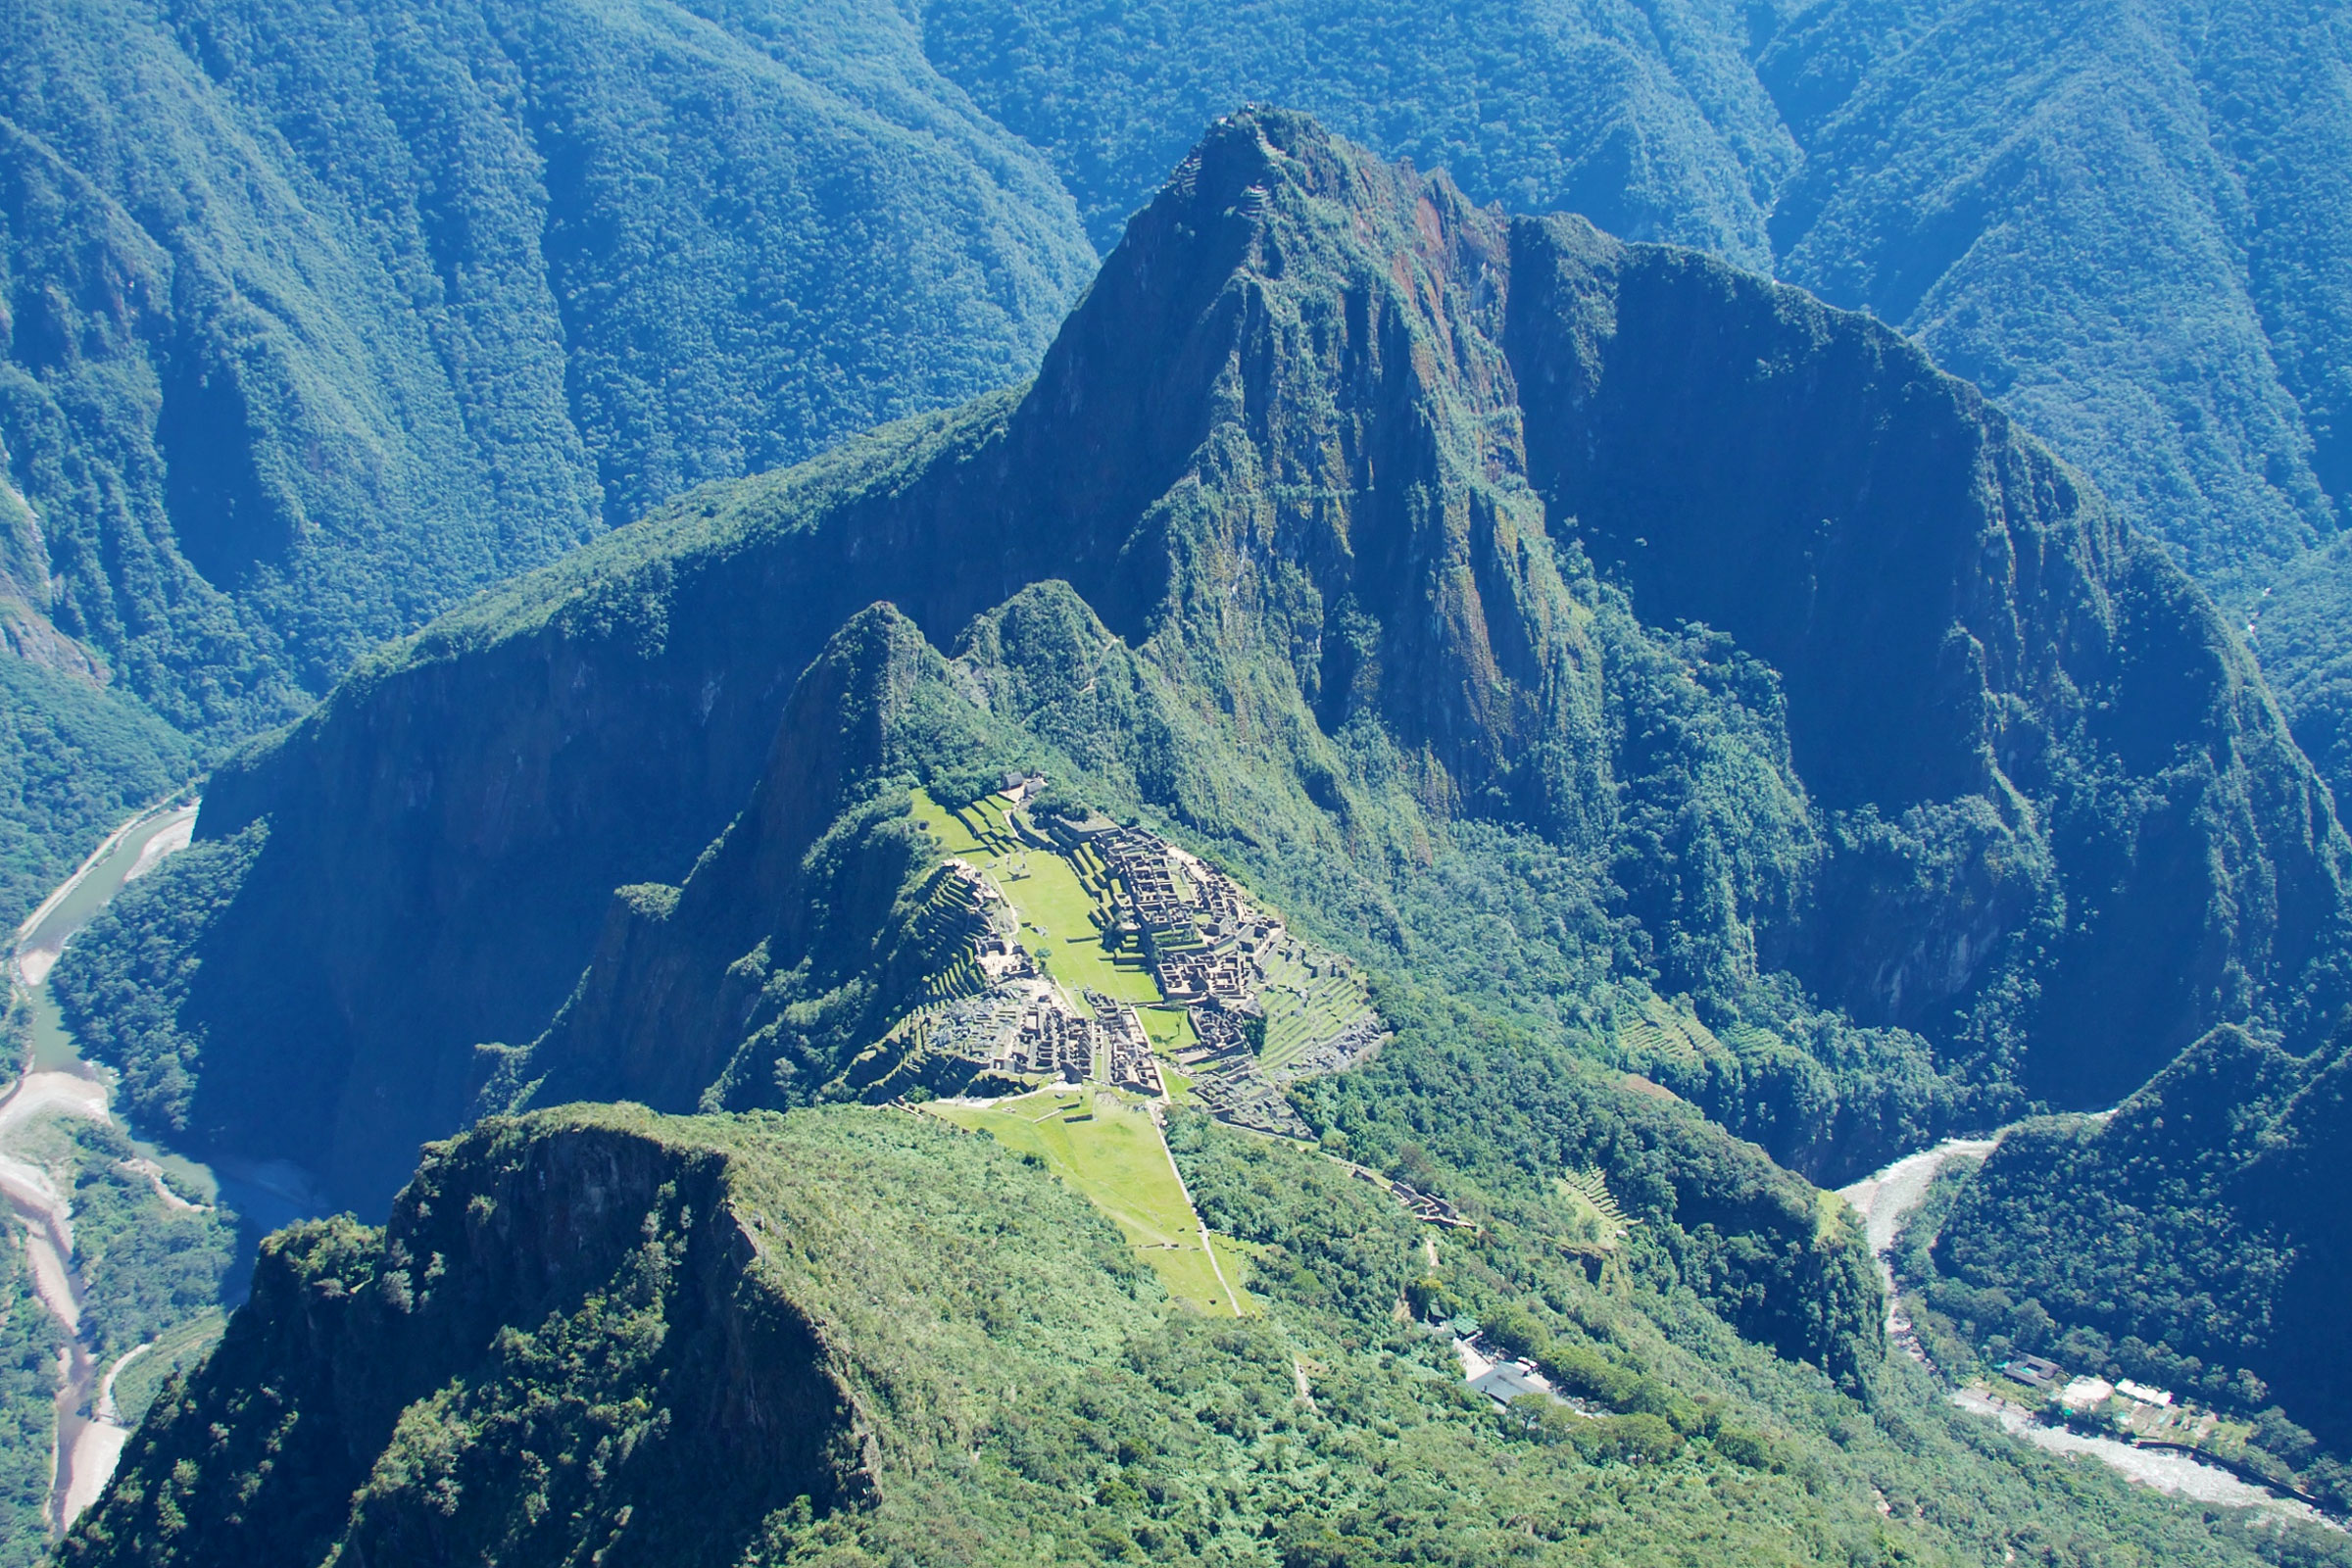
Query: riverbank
x=2166 y=1469
x=1885 y=1199
x=88 y=1433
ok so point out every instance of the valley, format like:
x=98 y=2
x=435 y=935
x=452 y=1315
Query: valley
x=2142 y=1433
x=42 y=1168
x=973 y=998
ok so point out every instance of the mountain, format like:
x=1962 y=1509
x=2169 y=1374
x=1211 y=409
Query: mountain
x=316 y=321
x=855 y=1336
x=2217 y=1193
x=75 y=761
x=418 y=336
x=1578 y=625
x=2127 y=227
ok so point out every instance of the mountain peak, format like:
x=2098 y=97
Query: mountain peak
x=1407 y=515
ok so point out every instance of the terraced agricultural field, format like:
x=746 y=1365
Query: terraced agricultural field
x=1302 y=1008
x=1056 y=907
x=1107 y=1146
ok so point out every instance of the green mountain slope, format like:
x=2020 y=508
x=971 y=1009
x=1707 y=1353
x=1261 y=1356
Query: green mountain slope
x=858 y=1337
x=2217 y=1196
x=2117 y=226
x=315 y=321
x=462 y=283
x=802 y=938
x=75 y=761
x=1379 y=528
x=318 y=322
x=2129 y=229
x=1652 y=124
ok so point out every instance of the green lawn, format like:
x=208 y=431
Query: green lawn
x=1170 y=1029
x=1107 y=1146
x=1055 y=908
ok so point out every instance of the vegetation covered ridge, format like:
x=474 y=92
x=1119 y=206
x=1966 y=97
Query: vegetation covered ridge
x=313 y=324
x=1956 y=800
x=852 y=1335
x=1910 y=832
x=2218 y=1204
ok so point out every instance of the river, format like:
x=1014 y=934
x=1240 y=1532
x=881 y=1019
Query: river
x=88 y=1438
x=1883 y=1200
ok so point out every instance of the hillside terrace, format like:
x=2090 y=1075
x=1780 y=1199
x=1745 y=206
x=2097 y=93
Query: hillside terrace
x=1102 y=920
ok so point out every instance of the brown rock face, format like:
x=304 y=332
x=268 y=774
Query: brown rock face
x=579 y=1300
x=1402 y=502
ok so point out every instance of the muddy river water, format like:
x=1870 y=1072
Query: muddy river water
x=88 y=1436
x=1884 y=1198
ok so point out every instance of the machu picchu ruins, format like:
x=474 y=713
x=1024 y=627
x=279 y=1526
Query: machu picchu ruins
x=1079 y=949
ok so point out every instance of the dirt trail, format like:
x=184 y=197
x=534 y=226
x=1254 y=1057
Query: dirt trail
x=1159 y=1130
x=106 y=1391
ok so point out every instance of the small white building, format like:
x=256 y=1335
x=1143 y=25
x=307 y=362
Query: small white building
x=2142 y=1393
x=2086 y=1394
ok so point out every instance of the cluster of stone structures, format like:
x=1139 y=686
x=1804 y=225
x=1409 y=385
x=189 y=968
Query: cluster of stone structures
x=1358 y=1038
x=1205 y=948
x=1227 y=1078
x=1018 y=1028
x=1426 y=1207
x=1127 y=1059
x=1212 y=951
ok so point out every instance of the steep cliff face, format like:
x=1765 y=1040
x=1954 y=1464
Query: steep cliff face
x=1379 y=508
x=589 y=1291
x=1976 y=655
x=800 y=936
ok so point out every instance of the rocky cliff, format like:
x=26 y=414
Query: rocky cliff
x=564 y=1342
x=1670 y=628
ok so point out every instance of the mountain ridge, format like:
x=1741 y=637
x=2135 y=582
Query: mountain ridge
x=1332 y=549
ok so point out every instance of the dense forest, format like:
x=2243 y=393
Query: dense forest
x=2215 y=1204
x=1653 y=839
x=467 y=283
x=1881 y=930
x=314 y=321
x=1639 y=666
x=933 y=1352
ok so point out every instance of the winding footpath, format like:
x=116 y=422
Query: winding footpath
x=88 y=1436
x=1161 y=1132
